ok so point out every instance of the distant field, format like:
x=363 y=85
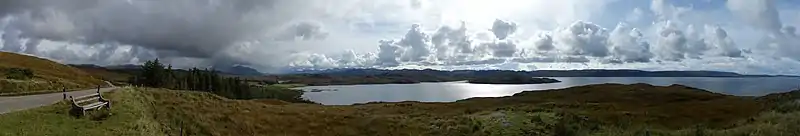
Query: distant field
x=602 y=110
x=47 y=76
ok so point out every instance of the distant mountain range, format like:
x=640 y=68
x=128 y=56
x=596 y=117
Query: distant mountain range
x=126 y=66
x=233 y=70
x=239 y=70
x=544 y=73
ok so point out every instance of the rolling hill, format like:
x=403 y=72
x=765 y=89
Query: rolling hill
x=115 y=76
x=23 y=74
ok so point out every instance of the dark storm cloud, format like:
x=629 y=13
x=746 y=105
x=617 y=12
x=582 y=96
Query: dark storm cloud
x=174 y=28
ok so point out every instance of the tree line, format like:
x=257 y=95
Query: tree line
x=157 y=75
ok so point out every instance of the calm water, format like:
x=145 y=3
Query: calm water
x=451 y=91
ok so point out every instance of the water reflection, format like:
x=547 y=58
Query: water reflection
x=451 y=91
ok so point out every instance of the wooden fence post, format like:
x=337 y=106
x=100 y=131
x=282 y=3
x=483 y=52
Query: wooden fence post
x=181 y=127
x=64 y=93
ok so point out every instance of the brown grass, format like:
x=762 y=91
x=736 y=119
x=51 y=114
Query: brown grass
x=625 y=106
x=206 y=114
x=674 y=106
x=49 y=75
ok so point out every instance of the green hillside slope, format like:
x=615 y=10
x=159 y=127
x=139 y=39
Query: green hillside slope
x=23 y=74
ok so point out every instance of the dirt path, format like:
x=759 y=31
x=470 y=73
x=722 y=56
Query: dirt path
x=17 y=103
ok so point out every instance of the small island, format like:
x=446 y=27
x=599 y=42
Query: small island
x=512 y=79
x=322 y=90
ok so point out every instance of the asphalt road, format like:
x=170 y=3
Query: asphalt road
x=17 y=103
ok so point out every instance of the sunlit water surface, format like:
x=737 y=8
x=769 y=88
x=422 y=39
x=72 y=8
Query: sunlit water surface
x=452 y=91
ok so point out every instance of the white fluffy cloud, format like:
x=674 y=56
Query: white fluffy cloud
x=628 y=45
x=583 y=38
x=502 y=29
x=388 y=53
x=673 y=44
x=717 y=38
x=779 y=40
x=450 y=42
x=415 y=45
x=759 y=13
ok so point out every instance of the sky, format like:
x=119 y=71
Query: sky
x=744 y=36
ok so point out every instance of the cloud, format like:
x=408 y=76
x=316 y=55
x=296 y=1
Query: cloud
x=779 y=40
x=346 y=59
x=502 y=29
x=11 y=41
x=445 y=46
x=665 y=11
x=352 y=59
x=673 y=44
x=635 y=16
x=305 y=31
x=544 y=42
x=580 y=42
x=717 y=38
x=783 y=43
x=229 y=32
x=196 y=29
x=415 y=45
x=15 y=6
x=503 y=48
x=583 y=38
x=31 y=46
x=759 y=13
x=312 y=60
x=388 y=53
x=64 y=54
x=450 y=42
x=790 y=31
x=480 y=62
x=534 y=59
x=628 y=45
x=552 y=59
x=416 y=4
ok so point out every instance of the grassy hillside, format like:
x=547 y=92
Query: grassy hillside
x=115 y=76
x=603 y=110
x=673 y=106
x=47 y=76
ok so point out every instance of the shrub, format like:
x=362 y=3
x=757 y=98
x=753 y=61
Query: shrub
x=787 y=107
x=272 y=92
x=19 y=73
